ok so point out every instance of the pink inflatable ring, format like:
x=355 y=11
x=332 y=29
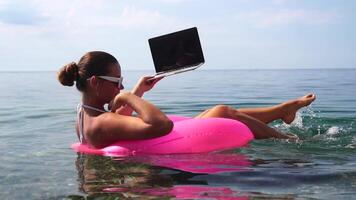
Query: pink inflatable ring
x=189 y=135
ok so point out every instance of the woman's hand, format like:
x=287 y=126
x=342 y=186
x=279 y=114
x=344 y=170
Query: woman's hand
x=118 y=101
x=144 y=85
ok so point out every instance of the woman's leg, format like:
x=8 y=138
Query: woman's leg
x=258 y=128
x=285 y=111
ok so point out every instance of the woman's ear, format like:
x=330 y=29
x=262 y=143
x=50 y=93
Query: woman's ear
x=93 y=81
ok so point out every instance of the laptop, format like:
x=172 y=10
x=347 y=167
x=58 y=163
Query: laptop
x=176 y=52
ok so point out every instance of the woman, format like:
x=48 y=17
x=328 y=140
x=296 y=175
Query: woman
x=98 y=77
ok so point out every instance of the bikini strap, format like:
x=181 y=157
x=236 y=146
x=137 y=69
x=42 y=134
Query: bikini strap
x=93 y=108
x=80 y=116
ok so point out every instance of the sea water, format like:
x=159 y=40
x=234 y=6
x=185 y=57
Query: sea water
x=37 y=117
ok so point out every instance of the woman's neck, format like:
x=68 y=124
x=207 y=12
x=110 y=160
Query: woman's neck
x=92 y=102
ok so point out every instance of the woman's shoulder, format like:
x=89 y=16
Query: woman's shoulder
x=110 y=117
x=111 y=122
x=102 y=120
x=111 y=127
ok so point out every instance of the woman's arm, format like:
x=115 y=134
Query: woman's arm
x=111 y=127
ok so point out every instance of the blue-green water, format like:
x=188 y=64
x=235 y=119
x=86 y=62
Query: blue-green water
x=37 y=118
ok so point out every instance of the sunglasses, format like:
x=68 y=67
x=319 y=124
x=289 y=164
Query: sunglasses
x=113 y=79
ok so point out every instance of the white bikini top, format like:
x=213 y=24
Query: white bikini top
x=80 y=117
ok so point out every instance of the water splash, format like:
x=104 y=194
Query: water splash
x=296 y=123
x=298 y=120
x=299 y=115
x=330 y=134
x=311 y=126
x=334 y=130
x=310 y=112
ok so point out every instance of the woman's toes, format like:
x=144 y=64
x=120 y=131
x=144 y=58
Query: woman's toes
x=307 y=100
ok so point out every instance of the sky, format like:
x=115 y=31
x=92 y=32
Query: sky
x=42 y=35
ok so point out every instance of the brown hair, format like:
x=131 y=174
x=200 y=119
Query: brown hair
x=94 y=63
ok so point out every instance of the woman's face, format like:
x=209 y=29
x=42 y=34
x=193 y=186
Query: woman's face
x=109 y=89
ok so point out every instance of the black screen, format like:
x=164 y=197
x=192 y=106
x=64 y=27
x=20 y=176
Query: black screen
x=176 y=50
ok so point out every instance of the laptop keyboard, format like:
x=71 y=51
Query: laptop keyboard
x=175 y=70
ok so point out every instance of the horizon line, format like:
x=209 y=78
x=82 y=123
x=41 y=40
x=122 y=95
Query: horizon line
x=229 y=69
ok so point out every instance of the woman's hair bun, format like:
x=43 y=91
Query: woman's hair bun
x=68 y=74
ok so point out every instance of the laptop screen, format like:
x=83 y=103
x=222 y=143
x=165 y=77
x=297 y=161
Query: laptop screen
x=176 y=50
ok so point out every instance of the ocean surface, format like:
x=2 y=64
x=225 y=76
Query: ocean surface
x=37 y=117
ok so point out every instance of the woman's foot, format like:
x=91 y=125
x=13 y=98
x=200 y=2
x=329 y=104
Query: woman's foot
x=294 y=105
